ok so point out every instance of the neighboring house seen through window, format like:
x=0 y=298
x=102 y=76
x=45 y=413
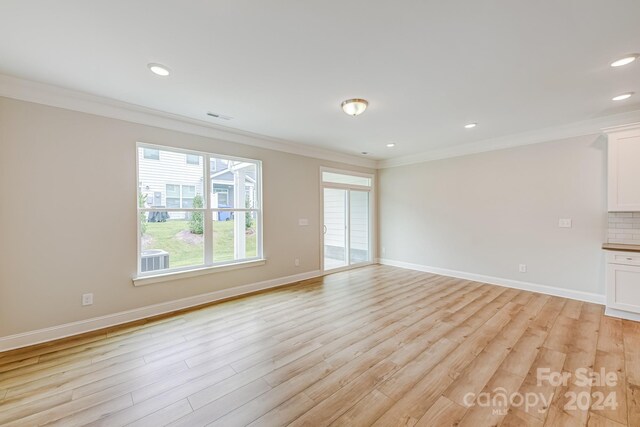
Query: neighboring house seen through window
x=192 y=159
x=173 y=196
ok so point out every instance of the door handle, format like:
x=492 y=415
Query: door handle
x=325 y=229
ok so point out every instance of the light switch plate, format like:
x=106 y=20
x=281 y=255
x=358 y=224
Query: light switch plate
x=564 y=223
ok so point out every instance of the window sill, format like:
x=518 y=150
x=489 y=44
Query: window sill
x=175 y=275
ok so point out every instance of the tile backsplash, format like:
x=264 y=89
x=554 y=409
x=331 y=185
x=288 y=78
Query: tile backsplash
x=624 y=227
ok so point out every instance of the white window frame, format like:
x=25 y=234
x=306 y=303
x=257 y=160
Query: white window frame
x=209 y=266
x=372 y=219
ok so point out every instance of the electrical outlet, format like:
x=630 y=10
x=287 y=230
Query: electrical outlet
x=297 y=262
x=384 y=250
x=87 y=299
x=522 y=268
x=303 y=222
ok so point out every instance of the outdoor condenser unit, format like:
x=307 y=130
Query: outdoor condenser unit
x=154 y=259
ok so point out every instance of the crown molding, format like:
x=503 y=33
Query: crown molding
x=55 y=96
x=586 y=127
x=630 y=126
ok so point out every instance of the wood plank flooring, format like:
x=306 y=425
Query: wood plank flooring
x=377 y=346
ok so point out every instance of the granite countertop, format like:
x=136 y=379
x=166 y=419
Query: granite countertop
x=621 y=247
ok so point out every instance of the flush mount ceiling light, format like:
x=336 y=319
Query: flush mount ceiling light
x=391 y=145
x=354 y=107
x=159 y=69
x=470 y=125
x=628 y=59
x=622 y=97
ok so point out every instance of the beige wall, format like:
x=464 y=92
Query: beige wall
x=487 y=213
x=68 y=216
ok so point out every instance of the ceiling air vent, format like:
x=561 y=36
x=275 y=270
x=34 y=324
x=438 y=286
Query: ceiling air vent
x=218 y=116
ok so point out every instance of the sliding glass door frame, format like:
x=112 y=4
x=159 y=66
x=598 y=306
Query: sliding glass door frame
x=371 y=222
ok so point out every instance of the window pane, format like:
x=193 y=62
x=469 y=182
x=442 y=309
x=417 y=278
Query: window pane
x=173 y=240
x=233 y=184
x=169 y=177
x=188 y=191
x=251 y=234
x=339 y=178
x=173 y=191
x=151 y=154
x=359 y=221
x=193 y=159
x=235 y=236
x=335 y=228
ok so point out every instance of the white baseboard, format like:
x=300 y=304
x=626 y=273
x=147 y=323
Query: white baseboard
x=622 y=314
x=69 y=329
x=516 y=284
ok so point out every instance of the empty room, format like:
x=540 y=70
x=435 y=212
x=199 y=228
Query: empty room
x=320 y=213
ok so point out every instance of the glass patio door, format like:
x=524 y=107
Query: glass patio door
x=358 y=226
x=335 y=228
x=347 y=220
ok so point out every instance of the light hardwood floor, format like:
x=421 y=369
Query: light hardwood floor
x=374 y=346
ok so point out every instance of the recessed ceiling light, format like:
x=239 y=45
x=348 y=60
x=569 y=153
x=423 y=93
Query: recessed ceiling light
x=354 y=107
x=159 y=69
x=391 y=145
x=622 y=97
x=624 y=61
x=470 y=125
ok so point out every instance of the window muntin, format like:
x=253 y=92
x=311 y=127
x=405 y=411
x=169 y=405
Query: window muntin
x=202 y=222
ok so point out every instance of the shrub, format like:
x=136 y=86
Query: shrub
x=248 y=221
x=196 y=224
x=142 y=200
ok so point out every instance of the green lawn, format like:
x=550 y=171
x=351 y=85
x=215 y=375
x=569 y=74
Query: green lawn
x=187 y=249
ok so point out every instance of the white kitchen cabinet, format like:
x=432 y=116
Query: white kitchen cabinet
x=624 y=168
x=623 y=281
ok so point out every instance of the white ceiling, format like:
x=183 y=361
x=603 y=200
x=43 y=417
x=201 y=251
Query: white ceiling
x=281 y=68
